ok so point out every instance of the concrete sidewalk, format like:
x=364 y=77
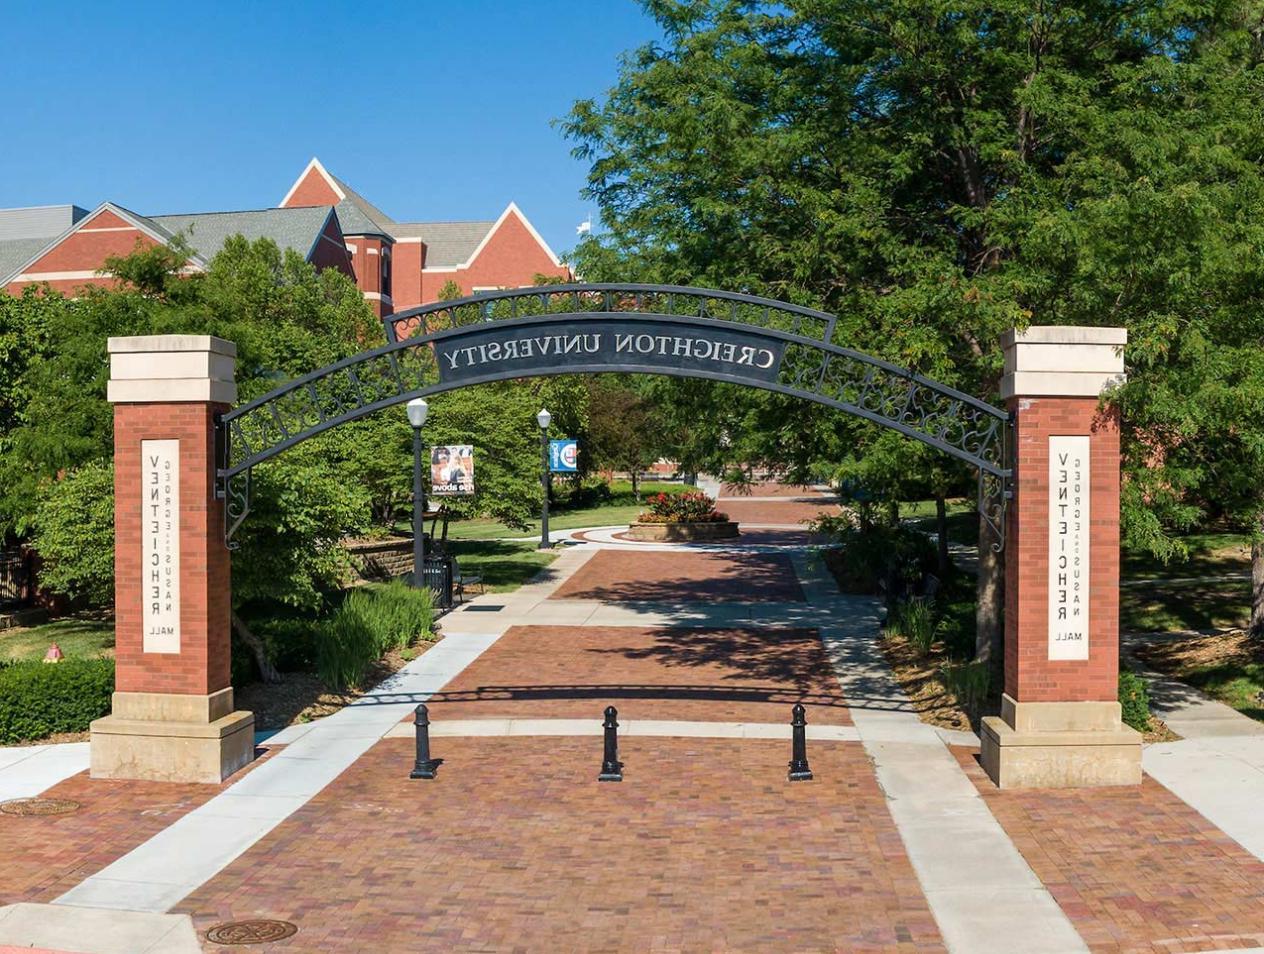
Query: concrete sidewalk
x=1218 y=765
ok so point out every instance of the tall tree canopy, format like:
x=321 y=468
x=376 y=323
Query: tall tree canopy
x=937 y=172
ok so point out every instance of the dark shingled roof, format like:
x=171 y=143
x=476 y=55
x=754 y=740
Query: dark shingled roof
x=294 y=228
x=447 y=243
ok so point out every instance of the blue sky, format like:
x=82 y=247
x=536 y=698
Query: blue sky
x=431 y=110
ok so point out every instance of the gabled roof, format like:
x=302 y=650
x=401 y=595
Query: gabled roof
x=448 y=244
x=355 y=222
x=381 y=222
x=152 y=229
x=295 y=228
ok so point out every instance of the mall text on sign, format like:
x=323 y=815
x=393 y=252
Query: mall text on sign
x=1068 y=547
x=160 y=555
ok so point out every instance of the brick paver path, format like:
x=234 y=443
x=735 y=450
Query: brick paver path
x=790 y=511
x=767 y=488
x=716 y=675
x=43 y=856
x=516 y=847
x=1134 y=868
x=683 y=576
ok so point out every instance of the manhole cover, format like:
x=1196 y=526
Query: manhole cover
x=258 y=931
x=39 y=806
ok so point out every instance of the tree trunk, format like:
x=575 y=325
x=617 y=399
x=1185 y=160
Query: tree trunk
x=636 y=487
x=1257 y=589
x=941 y=529
x=267 y=671
x=990 y=592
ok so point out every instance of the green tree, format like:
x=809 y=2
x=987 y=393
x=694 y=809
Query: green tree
x=936 y=173
x=624 y=433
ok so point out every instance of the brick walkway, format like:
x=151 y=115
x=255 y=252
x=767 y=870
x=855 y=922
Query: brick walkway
x=685 y=576
x=754 y=511
x=42 y=857
x=717 y=675
x=1135 y=869
x=516 y=847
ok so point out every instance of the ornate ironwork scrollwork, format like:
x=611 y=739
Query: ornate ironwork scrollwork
x=811 y=366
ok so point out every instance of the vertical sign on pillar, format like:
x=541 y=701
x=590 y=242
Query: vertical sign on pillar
x=1068 y=547
x=160 y=507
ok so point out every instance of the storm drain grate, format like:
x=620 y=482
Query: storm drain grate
x=258 y=931
x=485 y=608
x=39 y=806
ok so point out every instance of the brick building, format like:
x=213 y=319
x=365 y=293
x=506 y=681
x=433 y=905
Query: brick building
x=397 y=265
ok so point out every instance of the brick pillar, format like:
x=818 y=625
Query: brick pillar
x=1060 y=716
x=173 y=717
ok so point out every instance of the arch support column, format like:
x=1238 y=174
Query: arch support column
x=1060 y=721
x=173 y=717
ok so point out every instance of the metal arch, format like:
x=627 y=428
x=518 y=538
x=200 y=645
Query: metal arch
x=675 y=301
x=811 y=368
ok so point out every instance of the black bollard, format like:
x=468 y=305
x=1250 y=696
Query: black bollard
x=425 y=766
x=611 y=767
x=799 y=771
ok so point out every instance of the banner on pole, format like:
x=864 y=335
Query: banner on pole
x=452 y=470
x=564 y=456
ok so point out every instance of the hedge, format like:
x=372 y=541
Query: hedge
x=38 y=699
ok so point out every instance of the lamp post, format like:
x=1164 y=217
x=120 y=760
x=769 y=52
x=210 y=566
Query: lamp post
x=417 y=410
x=546 y=481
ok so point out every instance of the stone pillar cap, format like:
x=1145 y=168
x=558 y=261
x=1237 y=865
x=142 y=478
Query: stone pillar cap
x=166 y=369
x=163 y=343
x=1062 y=361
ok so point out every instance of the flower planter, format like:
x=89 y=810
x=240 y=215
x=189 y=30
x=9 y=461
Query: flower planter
x=683 y=531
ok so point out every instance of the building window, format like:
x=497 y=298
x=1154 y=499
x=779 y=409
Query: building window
x=386 y=271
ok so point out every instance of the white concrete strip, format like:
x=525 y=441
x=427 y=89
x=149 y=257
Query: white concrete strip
x=87 y=931
x=983 y=894
x=39 y=768
x=157 y=874
x=460 y=728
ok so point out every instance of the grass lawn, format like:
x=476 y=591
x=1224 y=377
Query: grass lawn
x=1199 y=605
x=1227 y=667
x=963 y=520
x=79 y=636
x=504 y=564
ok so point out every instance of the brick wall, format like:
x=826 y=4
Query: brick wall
x=202 y=665
x=1029 y=674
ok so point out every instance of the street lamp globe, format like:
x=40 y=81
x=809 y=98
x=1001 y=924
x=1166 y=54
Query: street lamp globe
x=544 y=417
x=417 y=410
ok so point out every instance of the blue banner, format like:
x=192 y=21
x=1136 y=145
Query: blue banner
x=563 y=456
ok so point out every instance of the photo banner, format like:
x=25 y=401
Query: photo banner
x=452 y=470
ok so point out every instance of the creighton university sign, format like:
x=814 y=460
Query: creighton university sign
x=636 y=345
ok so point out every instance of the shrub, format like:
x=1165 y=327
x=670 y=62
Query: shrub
x=1134 y=699
x=38 y=699
x=914 y=619
x=969 y=683
x=878 y=559
x=690 y=507
x=370 y=622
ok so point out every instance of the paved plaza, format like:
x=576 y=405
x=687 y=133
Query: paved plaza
x=899 y=843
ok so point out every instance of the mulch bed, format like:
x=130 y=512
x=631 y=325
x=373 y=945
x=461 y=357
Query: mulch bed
x=918 y=676
x=302 y=697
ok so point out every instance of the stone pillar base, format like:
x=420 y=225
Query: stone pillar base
x=168 y=737
x=1060 y=745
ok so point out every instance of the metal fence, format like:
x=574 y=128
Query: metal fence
x=15 y=577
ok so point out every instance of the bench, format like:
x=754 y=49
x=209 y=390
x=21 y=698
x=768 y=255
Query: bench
x=461 y=580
